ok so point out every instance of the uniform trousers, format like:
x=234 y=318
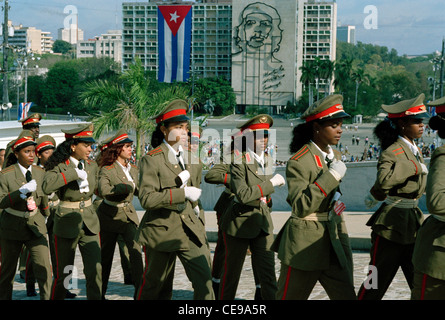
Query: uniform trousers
x=427 y=287
x=65 y=249
x=387 y=256
x=108 y=244
x=157 y=280
x=39 y=253
x=263 y=261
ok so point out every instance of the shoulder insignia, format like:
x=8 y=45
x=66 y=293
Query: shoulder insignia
x=154 y=151
x=133 y=165
x=247 y=156
x=236 y=152
x=318 y=161
x=398 y=151
x=111 y=166
x=8 y=169
x=37 y=167
x=300 y=153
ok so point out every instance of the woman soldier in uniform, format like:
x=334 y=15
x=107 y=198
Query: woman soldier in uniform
x=313 y=245
x=429 y=252
x=21 y=220
x=172 y=225
x=247 y=222
x=74 y=178
x=118 y=181
x=401 y=180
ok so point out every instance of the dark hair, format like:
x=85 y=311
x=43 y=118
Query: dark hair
x=10 y=160
x=388 y=131
x=438 y=123
x=157 y=136
x=61 y=154
x=301 y=135
x=110 y=155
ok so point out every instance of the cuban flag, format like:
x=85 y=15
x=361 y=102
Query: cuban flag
x=174 y=42
x=23 y=110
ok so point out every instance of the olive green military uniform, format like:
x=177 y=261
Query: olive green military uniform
x=20 y=227
x=313 y=245
x=400 y=182
x=429 y=254
x=118 y=216
x=75 y=223
x=170 y=227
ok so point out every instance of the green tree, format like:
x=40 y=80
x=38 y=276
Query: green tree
x=358 y=76
x=219 y=90
x=63 y=47
x=307 y=78
x=129 y=103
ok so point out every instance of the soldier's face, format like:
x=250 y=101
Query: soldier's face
x=25 y=156
x=328 y=132
x=412 y=128
x=81 y=151
x=176 y=133
x=261 y=141
x=44 y=156
x=126 y=151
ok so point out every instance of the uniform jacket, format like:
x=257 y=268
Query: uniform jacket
x=398 y=174
x=169 y=221
x=220 y=174
x=17 y=228
x=429 y=250
x=247 y=216
x=302 y=244
x=114 y=186
x=62 y=179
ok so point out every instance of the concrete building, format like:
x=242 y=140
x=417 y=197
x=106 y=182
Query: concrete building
x=32 y=39
x=346 y=34
x=266 y=73
x=105 y=45
x=73 y=34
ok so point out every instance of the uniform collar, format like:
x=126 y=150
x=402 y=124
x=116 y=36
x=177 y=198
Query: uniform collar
x=330 y=154
x=23 y=169
x=411 y=146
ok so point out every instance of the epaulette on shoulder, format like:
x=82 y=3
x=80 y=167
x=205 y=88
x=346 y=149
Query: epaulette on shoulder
x=300 y=153
x=133 y=165
x=238 y=158
x=37 y=167
x=155 y=151
x=7 y=169
x=111 y=166
x=398 y=151
x=90 y=161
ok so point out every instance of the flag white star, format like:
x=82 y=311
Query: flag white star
x=174 y=16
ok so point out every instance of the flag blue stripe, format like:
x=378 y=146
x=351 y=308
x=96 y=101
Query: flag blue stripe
x=187 y=45
x=174 y=57
x=161 y=51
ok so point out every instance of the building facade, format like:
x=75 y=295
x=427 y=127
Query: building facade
x=31 y=39
x=106 y=45
x=346 y=34
x=72 y=35
x=264 y=70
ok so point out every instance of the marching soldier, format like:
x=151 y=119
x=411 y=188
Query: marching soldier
x=21 y=220
x=32 y=123
x=401 y=181
x=74 y=178
x=428 y=255
x=172 y=225
x=247 y=221
x=118 y=181
x=313 y=245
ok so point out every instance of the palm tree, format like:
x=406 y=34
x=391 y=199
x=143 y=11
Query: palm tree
x=326 y=72
x=358 y=76
x=308 y=77
x=128 y=103
x=342 y=74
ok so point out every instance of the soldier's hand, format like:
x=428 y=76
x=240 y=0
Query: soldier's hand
x=82 y=174
x=29 y=187
x=424 y=168
x=338 y=169
x=277 y=180
x=192 y=193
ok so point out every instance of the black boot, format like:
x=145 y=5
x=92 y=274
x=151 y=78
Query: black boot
x=258 y=294
x=31 y=290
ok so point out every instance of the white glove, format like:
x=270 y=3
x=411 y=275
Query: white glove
x=192 y=193
x=196 y=209
x=83 y=184
x=82 y=174
x=424 y=168
x=338 y=169
x=277 y=180
x=370 y=201
x=31 y=186
x=184 y=176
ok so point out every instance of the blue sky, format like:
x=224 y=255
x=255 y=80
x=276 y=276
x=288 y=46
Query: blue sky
x=410 y=26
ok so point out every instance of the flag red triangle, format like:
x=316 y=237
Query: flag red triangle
x=174 y=15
